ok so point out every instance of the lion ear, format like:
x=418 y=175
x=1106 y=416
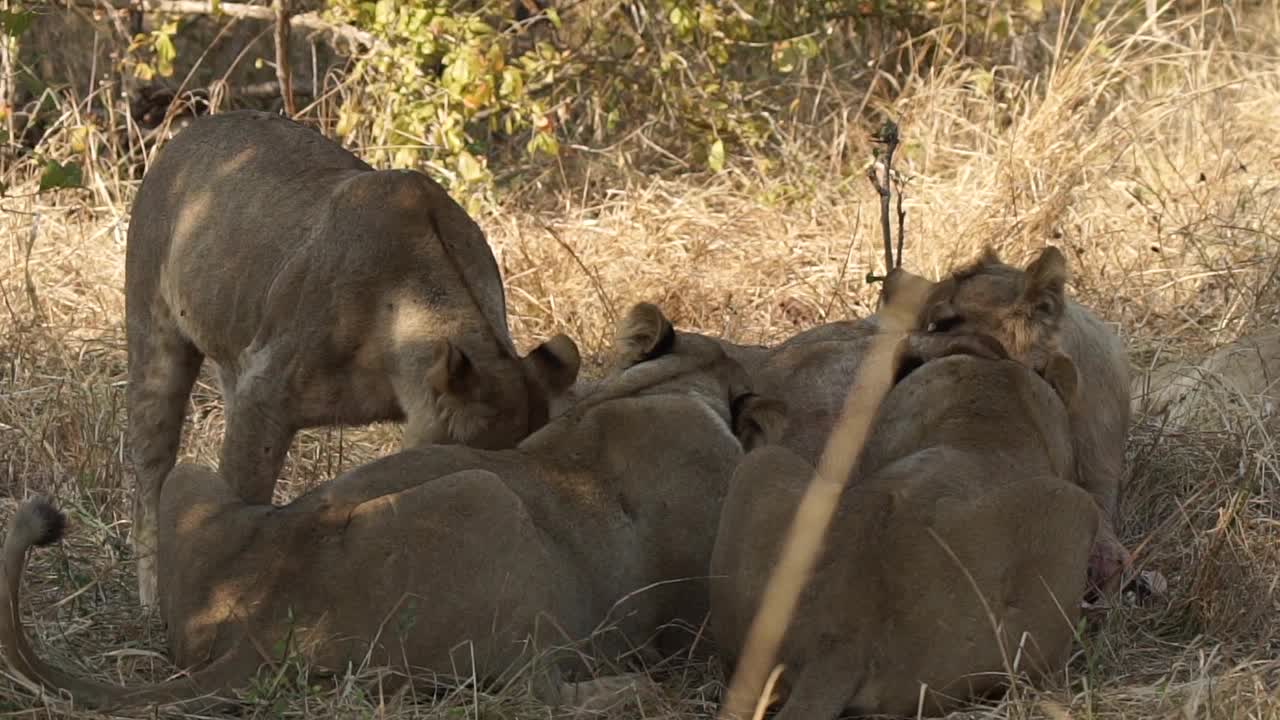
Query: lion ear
x=452 y=372
x=758 y=420
x=554 y=363
x=989 y=256
x=1061 y=373
x=1045 y=291
x=644 y=334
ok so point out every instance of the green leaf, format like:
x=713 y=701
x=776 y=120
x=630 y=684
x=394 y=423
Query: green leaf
x=719 y=53
x=807 y=47
x=553 y=16
x=15 y=22
x=165 y=53
x=384 y=11
x=469 y=168
x=715 y=156
x=56 y=176
x=543 y=142
x=786 y=57
x=512 y=83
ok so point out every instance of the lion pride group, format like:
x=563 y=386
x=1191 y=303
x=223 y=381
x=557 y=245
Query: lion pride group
x=534 y=522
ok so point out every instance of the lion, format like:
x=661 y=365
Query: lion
x=1243 y=374
x=1028 y=312
x=449 y=560
x=327 y=293
x=814 y=369
x=962 y=529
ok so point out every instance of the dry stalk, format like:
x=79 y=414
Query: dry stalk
x=818 y=504
x=605 y=302
x=284 y=73
x=29 y=281
x=887 y=136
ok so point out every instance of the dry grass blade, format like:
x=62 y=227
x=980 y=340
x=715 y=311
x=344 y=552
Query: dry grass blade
x=817 y=506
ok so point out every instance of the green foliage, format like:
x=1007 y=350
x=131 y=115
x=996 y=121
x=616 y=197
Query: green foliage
x=15 y=21
x=453 y=85
x=153 y=53
x=412 y=116
x=57 y=175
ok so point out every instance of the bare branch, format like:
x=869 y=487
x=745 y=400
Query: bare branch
x=284 y=73
x=888 y=136
x=902 y=224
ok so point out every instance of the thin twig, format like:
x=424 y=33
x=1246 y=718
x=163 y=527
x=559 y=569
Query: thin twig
x=284 y=73
x=902 y=224
x=30 y=283
x=887 y=136
x=595 y=278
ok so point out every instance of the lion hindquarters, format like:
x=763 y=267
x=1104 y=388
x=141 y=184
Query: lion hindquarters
x=991 y=585
x=942 y=578
x=454 y=573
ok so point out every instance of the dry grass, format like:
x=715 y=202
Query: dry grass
x=1152 y=157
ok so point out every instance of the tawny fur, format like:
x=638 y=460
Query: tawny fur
x=327 y=293
x=1243 y=375
x=449 y=555
x=814 y=370
x=974 y=450
x=1027 y=310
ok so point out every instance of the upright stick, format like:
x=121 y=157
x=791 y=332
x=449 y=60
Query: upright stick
x=284 y=72
x=887 y=136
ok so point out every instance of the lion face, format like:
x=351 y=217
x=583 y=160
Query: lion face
x=488 y=410
x=1021 y=309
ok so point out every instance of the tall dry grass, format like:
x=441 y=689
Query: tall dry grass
x=1149 y=153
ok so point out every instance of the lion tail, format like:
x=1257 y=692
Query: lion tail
x=39 y=523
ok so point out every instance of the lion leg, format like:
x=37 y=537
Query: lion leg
x=259 y=432
x=163 y=366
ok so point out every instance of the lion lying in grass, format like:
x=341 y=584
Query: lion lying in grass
x=327 y=293
x=1244 y=374
x=1027 y=310
x=814 y=369
x=962 y=529
x=451 y=559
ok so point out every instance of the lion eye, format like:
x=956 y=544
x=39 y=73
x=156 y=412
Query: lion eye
x=944 y=324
